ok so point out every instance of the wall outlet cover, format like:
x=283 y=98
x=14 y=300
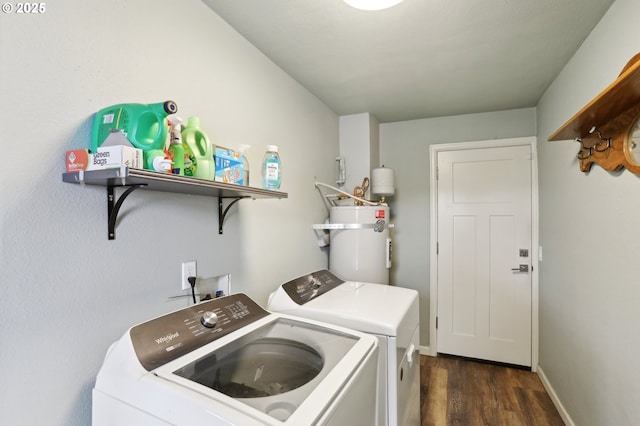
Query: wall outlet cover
x=188 y=270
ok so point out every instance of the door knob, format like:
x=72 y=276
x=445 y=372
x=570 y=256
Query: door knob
x=521 y=268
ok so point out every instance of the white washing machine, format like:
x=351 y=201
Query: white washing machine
x=386 y=312
x=227 y=361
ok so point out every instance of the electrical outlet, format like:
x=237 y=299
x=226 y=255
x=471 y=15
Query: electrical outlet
x=188 y=270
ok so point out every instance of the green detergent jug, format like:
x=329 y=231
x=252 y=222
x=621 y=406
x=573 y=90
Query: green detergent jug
x=144 y=125
x=198 y=151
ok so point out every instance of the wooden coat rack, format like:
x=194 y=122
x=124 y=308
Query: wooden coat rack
x=603 y=126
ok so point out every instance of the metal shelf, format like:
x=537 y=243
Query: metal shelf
x=145 y=179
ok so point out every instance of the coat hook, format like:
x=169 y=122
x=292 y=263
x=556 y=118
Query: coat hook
x=604 y=144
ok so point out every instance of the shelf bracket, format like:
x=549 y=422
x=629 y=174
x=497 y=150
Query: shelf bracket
x=113 y=206
x=222 y=211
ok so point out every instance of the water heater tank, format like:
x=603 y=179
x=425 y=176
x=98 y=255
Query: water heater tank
x=360 y=246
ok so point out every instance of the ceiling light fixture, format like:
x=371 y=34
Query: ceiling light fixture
x=372 y=4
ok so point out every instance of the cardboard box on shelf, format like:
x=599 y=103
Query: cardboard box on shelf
x=106 y=158
x=229 y=166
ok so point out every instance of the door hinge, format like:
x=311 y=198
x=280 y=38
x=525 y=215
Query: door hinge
x=436 y=323
x=437 y=247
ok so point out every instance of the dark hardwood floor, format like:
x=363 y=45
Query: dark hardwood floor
x=456 y=391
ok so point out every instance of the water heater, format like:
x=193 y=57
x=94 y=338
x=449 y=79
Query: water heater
x=360 y=246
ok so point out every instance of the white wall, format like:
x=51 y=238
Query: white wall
x=66 y=292
x=404 y=147
x=359 y=147
x=589 y=292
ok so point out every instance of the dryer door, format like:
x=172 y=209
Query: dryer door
x=409 y=384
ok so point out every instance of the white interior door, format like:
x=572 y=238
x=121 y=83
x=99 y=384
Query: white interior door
x=484 y=285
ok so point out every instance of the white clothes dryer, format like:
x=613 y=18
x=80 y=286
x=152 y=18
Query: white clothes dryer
x=389 y=313
x=227 y=362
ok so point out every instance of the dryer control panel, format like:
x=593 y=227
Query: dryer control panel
x=307 y=287
x=168 y=337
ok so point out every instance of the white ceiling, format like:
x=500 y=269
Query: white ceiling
x=422 y=58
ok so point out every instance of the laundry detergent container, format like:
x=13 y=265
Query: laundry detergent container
x=144 y=125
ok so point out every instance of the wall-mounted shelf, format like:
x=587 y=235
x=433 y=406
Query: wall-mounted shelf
x=603 y=125
x=145 y=179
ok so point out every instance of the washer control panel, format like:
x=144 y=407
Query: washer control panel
x=307 y=287
x=168 y=337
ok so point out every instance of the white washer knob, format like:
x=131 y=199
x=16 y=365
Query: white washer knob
x=209 y=319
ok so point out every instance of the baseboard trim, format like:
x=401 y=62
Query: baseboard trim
x=554 y=398
x=424 y=350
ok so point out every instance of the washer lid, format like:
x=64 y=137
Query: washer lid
x=273 y=368
x=371 y=308
x=264 y=362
